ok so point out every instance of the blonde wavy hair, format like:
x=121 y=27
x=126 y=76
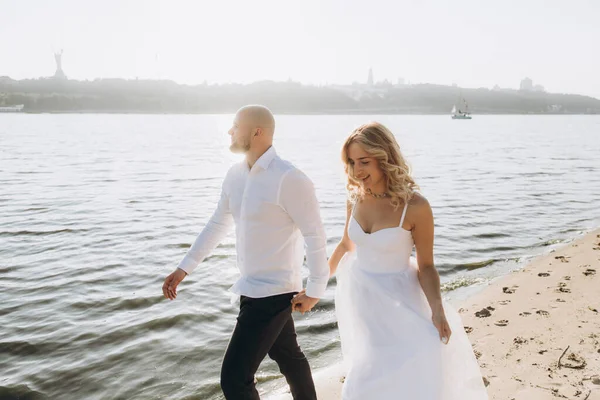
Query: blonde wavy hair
x=380 y=143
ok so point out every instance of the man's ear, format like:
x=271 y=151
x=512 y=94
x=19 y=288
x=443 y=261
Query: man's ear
x=257 y=132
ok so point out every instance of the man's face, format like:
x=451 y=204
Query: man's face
x=241 y=134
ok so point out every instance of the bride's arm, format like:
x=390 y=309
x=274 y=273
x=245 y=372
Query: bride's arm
x=345 y=245
x=422 y=232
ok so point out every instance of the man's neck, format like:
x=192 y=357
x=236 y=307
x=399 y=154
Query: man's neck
x=253 y=156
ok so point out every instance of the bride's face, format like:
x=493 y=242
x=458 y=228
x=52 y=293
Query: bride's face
x=365 y=169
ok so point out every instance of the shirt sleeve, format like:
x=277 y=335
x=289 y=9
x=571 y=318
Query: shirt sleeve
x=213 y=233
x=298 y=199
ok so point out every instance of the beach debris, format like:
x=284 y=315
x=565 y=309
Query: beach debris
x=567 y=278
x=561 y=300
x=504 y=302
x=486 y=381
x=483 y=313
x=542 y=313
x=477 y=354
x=554 y=391
x=589 y=271
x=575 y=361
x=592 y=309
x=508 y=290
x=542 y=351
x=468 y=329
x=562 y=258
x=543 y=274
x=502 y=322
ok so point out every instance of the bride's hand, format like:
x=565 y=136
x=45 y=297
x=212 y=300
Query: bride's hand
x=441 y=324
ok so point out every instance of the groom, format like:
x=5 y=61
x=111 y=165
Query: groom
x=273 y=205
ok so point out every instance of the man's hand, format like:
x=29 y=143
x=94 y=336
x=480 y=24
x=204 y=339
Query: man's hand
x=303 y=303
x=170 y=286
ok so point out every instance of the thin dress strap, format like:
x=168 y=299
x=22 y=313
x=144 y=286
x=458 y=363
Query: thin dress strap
x=403 y=215
x=353 y=208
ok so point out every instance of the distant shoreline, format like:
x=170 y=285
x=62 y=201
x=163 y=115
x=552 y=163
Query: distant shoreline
x=333 y=112
x=166 y=97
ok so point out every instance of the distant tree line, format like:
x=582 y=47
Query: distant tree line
x=163 y=96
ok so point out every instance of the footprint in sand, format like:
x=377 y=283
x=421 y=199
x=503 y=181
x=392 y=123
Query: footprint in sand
x=542 y=313
x=502 y=322
x=484 y=312
x=589 y=272
x=524 y=314
x=560 y=301
x=543 y=274
x=575 y=361
x=562 y=287
x=562 y=258
x=468 y=329
x=509 y=290
x=567 y=278
x=504 y=302
x=519 y=340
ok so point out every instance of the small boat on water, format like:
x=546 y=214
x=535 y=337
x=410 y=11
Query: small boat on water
x=462 y=112
x=17 y=108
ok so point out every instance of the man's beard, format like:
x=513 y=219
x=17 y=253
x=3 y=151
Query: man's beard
x=237 y=147
x=240 y=146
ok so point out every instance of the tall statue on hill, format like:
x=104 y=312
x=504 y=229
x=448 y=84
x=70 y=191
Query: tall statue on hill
x=59 y=74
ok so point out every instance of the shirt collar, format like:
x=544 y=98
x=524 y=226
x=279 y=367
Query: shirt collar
x=265 y=160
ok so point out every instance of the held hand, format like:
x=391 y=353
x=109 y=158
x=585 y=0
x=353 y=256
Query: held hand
x=170 y=286
x=303 y=303
x=441 y=324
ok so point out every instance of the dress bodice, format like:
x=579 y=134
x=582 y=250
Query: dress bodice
x=387 y=250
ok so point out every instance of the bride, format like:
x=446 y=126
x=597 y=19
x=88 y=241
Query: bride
x=399 y=339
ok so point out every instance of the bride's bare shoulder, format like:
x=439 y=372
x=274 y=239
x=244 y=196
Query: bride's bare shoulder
x=418 y=201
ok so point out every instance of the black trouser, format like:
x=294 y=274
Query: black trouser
x=265 y=326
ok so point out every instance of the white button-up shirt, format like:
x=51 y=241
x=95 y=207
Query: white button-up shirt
x=273 y=206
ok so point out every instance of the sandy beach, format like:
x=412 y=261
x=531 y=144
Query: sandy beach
x=535 y=331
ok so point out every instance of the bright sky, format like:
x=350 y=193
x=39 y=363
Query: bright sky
x=473 y=43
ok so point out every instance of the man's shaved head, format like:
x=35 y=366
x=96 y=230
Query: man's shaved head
x=252 y=130
x=257 y=116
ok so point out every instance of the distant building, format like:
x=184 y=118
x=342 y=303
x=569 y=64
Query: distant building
x=526 y=85
x=401 y=82
x=554 y=108
x=538 y=88
x=370 y=78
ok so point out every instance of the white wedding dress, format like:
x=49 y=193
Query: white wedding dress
x=391 y=348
